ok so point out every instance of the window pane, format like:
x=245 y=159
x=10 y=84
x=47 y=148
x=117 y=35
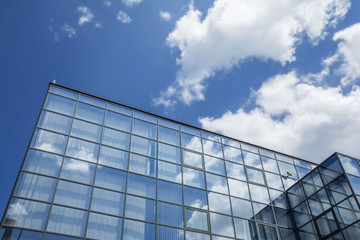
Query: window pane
x=48 y=141
x=212 y=148
x=245 y=229
x=110 y=178
x=19 y=234
x=169 y=153
x=169 y=124
x=92 y=101
x=219 y=203
x=170 y=214
x=235 y=170
x=169 y=171
x=196 y=236
x=82 y=149
x=274 y=181
x=233 y=154
x=108 y=202
x=287 y=168
x=231 y=142
x=119 y=109
x=73 y=194
x=143 y=146
x=191 y=142
x=242 y=208
x=63 y=92
x=214 y=165
x=140 y=208
x=116 y=138
x=113 y=157
x=221 y=225
x=145 y=117
x=259 y=194
x=192 y=159
x=49 y=236
x=283 y=158
x=190 y=130
x=216 y=183
x=196 y=219
x=144 y=129
x=85 y=130
x=90 y=113
x=142 y=186
x=249 y=148
x=142 y=165
x=267 y=232
x=138 y=230
x=195 y=198
x=118 y=121
x=169 y=136
x=350 y=165
x=255 y=176
x=193 y=177
x=78 y=171
x=60 y=104
x=26 y=214
x=42 y=162
x=35 y=187
x=55 y=122
x=104 y=227
x=166 y=233
x=67 y=221
x=169 y=192
x=252 y=159
x=211 y=136
x=238 y=189
x=270 y=164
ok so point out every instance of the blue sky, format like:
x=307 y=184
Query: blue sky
x=281 y=74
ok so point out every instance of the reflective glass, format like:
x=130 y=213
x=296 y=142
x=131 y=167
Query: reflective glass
x=140 y=208
x=55 y=122
x=118 y=121
x=169 y=192
x=267 y=232
x=145 y=117
x=72 y=194
x=355 y=183
x=144 y=129
x=170 y=214
x=266 y=153
x=235 y=171
x=286 y=168
x=302 y=164
x=49 y=236
x=222 y=225
x=169 y=136
x=233 y=154
x=144 y=146
x=245 y=229
x=231 y=142
x=214 y=165
x=67 y=221
x=110 y=178
x=169 y=124
x=249 y=148
x=86 y=130
x=119 y=109
x=113 y=157
x=242 y=208
x=48 y=141
x=238 y=189
x=195 y=198
x=219 y=203
x=142 y=165
x=193 y=177
x=166 y=233
x=211 y=136
x=302 y=171
x=63 y=92
x=141 y=185
x=284 y=158
x=191 y=142
x=26 y=214
x=264 y=213
x=270 y=164
x=60 y=104
x=196 y=219
x=212 y=148
x=190 y=130
x=169 y=171
x=192 y=159
x=196 y=236
x=216 y=183
x=252 y=159
x=350 y=165
x=169 y=153
x=138 y=230
x=116 y=138
x=19 y=234
x=90 y=113
x=104 y=227
x=259 y=194
x=92 y=101
x=35 y=187
x=255 y=176
x=42 y=162
x=82 y=149
x=108 y=202
x=274 y=181
x=78 y=171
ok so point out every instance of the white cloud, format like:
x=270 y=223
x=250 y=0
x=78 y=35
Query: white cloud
x=234 y=30
x=123 y=17
x=107 y=3
x=87 y=16
x=130 y=3
x=165 y=15
x=68 y=30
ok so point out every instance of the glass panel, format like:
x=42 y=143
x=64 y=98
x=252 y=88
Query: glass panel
x=104 y=227
x=238 y=189
x=191 y=142
x=60 y=104
x=302 y=171
x=214 y=165
x=284 y=158
x=252 y=159
x=270 y=164
x=92 y=101
x=82 y=149
x=170 y=172
x=249 y=148
x=219 y=203
x=169 y=136
x=287 y=168
x=169 y=192
x=138 y=230
x=169 y=124
x=196 y=236
x=19 y=234
x=108 y=202
x=118 y=121
x=78 y=171
x=267 y=232
x=85 y=130
x=143 y=146
x=67 y=221
x=142 y=186
x=211 y=136
x=48 y=141
x=216 y=183
x=35 y=187
x=274 y=181
x=113 y=157
x=116 y=138
x=267 y=153
x=245 y=229
x=169 y=153
x=195 y=198
x=42 y=162
x=255 y=176
x=232 y=154
x=170 y=214
x=350 y=165
x=259 y=194
x=140 y=208
x=142 y=165
x=221 y=225
x=55 y=122
x=192 y=159
x=263 y=213
x=302 y=164
x=190 y=130
x=231 y=142
x=26 y=214
x=355 y=183
x=73 y=194
x=212 y=148
x=144 y=129
x=90 y=113
x=196 y=219
x=110 y=178
x=166 y=233
x=193 y=177
x=145 y=117
x=242 y=208
x=235 y=170
x=119 y=109
x=63 y=92
x=49 y=236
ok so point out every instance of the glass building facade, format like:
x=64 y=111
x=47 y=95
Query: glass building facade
x=96 y=169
